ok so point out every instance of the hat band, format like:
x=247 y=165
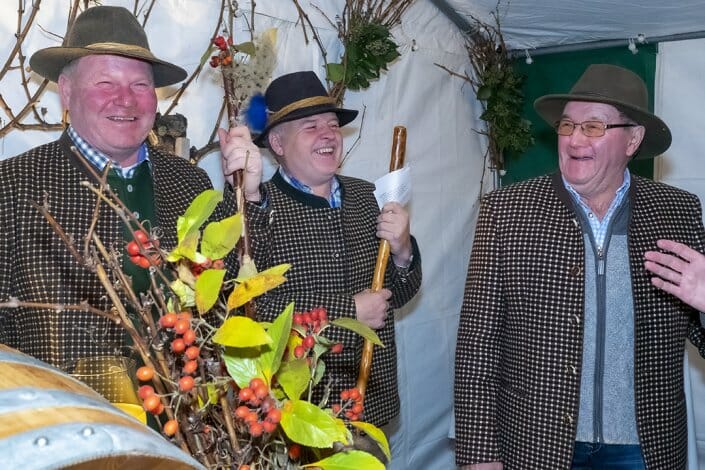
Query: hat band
x=118 y=47
x=304 y=103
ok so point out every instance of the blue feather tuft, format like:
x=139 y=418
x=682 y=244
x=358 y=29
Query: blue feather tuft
x=256 y=113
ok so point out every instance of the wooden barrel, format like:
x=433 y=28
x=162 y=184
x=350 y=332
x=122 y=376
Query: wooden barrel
x=50 y=420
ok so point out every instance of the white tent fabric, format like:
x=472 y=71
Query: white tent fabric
x=444 y=153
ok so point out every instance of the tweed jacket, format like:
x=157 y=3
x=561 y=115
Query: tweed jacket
x=332 y=252
x=519 y=349
x=35 y=264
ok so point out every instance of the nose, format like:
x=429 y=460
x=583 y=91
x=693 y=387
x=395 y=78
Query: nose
x=124 y=96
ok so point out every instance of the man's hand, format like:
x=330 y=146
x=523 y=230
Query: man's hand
x=238 y=152
x=371 y=307
x=484 y=466
x=393 y=226
x=682 y=275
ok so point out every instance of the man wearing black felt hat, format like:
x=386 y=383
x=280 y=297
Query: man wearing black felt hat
x=328 y=226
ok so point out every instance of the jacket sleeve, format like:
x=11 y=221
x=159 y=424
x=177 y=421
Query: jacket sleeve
x=404 y=282
x=477 y=353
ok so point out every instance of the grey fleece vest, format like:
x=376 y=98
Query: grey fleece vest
x=607 y=410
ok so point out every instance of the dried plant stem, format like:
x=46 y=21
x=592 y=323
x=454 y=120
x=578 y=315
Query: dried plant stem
x=229 y=425
x=81 y=307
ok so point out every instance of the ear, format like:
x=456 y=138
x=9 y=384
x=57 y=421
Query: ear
x=276 y=144
x=64 y=84
x=637 y=136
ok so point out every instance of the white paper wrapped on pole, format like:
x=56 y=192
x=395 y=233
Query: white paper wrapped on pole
x=394 y=187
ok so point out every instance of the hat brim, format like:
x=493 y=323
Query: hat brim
x=657 y=137
x=345 y=116
x=50 y=62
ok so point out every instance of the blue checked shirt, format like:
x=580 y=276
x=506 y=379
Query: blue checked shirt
x=99 y=160
x=335 y=198
x=599 y=227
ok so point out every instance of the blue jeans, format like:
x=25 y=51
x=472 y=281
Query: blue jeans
x=589 y=456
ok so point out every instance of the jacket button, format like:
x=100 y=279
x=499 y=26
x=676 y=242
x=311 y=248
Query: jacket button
x=571 y=369
x=575 y=319
x=575 y=271
x=567 y=418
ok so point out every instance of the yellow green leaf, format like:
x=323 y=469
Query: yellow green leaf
x=257 y=285
x=359 y=328
x=187 y=248
x=208 y=286
x=375 y=433
x=351 y=460
x=279 y=332
x=187 y=296
x=246 y=48
x=219 y=238
x=198 y=212
x=241 y=332
x=294 y=376
x=308 y=425
x=242 y=364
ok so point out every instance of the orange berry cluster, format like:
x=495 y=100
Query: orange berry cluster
x=259 y=413
x=151 y=402
x=183 y=345
x=143 y=251
x=350 y=404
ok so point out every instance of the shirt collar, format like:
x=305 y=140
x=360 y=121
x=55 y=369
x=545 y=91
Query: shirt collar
x=619 y=194
x=99 y=160
x=334 y=198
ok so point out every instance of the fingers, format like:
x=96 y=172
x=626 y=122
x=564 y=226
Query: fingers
x=683 y=251
x=238 y=153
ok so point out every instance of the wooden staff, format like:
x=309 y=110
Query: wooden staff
x=396 y=162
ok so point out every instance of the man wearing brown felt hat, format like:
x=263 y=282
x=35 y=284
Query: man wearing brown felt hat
x=567 y=355
x=106 y=76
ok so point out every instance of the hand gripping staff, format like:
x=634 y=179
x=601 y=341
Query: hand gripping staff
x=395 y=163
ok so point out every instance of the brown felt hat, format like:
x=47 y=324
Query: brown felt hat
x=621 y=88
x=104 y=30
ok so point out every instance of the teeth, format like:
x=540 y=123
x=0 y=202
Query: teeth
x=121 y=118
x=325 y=150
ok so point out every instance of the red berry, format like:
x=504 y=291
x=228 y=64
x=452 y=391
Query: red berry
x=151 y=403
x=189 y=337
x=192 y=352
x=182 y=326
x=294 y=451
x=251 y=417
x=261 y=392
x=170 y=427
x=242 y=411
x=185 y=315
x=186 y=383
x=145 y=391
x=345 y=395
x=133 y=248
x=245 y=394
x=168 y=320
x=355 y=394
x=274 y=415
x=298 y=319
x=309 y=341
x=335 y=408
x=269 y=427
x=159 y=410
x=218 y=264
x=337 y=348
x=357 y=408
x=299 y=351
x=141 y=237
x=190 y=367
x=178 y=345
x=257 y=382
x=145 y=374
x=256 y=429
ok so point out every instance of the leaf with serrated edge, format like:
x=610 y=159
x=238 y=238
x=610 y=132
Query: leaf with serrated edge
x=279 y=333
x=359 y=328
x=198 y=212
x=187 y=297
x=241 y=332
x=208 y=286
x=257 y=285
x=308 y=425
x=242 y=364
x=294 y=376
x=219 y=238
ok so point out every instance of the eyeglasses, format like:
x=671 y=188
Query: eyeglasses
x=589 y=128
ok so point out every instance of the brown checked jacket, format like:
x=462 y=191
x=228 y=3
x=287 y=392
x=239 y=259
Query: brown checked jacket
x=332 y=252
x=519 y=348
x=35 y=264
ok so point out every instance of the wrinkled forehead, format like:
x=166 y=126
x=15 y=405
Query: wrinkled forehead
x=585 y=110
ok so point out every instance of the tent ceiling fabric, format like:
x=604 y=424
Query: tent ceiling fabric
x=531 y=25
